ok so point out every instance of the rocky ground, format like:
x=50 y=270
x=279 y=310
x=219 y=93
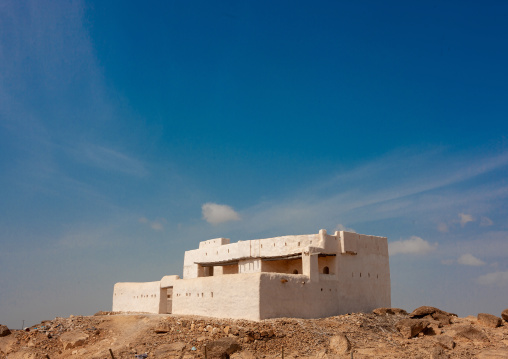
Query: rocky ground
x=427 y=332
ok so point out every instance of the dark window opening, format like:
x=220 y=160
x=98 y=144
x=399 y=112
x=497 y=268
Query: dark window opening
x=326 y=270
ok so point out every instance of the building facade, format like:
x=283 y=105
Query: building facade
x=302 y=276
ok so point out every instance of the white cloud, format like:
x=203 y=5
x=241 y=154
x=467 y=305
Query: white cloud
x=156 y=225
x=499 y=279
x=465 y=218
x=485 y=221
x=218 y=213
x=442 y=227
x=470 y=260
x=341 y=227
x=413 y=245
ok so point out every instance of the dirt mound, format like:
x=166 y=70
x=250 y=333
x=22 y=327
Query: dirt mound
x=381 y=335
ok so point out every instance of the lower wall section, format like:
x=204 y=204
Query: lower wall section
x=295 y=296
x=256 y=296
x=137 y=297
x=227 y=296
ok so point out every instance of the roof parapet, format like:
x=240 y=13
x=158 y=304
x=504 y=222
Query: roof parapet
x=216 y=242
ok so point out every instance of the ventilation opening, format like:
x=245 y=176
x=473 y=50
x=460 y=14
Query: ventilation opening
x=295 y=271
x=326 y=270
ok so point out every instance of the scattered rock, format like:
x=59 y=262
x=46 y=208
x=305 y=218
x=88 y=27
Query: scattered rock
x=470 y=333
x=494 y=354
x=445 y=341
x=244 y=355
x=489 y=320
x=162 y=328
x=443 y=319
x=340 y=344
x=410 y=328
x=222 y=348
x=367 y=334
x=267 y=333
x=73 y=339
x=383 y=311
x=25 y=354
x=248 y=338
x=398 y=311
x=4 y=331
x=423 y=311
x=504 y=314
x=438 y=353
x=169 y=350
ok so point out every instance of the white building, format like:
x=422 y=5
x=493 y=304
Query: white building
x=302 y=276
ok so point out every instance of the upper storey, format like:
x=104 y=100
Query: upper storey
x=220 y=252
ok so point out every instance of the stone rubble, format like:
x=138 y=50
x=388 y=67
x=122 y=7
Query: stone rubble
x=427 y=332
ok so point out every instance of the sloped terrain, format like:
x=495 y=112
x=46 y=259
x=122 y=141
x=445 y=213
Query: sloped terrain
x=386 y=333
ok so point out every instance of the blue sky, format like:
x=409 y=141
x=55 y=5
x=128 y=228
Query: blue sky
x=129 y=132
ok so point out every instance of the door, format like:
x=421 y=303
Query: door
x=169 y=307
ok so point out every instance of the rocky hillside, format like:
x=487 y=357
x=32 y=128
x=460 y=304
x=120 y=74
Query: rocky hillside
x=427 y=332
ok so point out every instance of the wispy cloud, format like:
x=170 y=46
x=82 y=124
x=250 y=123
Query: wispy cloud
x=341 y=227
x=442 y=227
x=110 y=160
x=470 y=260
x=218 y=213
x=498 y=279
x=82 y=236
x=465 y=218
x=485 y=222
x=413 y=245
x=156 y=225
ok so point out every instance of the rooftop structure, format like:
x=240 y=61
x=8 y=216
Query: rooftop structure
x=302 y=276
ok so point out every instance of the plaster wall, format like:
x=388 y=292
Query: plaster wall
x=249 y=266
x=210 y=243
x=230 y=269
x=168 y=281
x=285 y=245
x=329 y=262
x=365 y=277
x=282 y=266
x=220 y=250
x=219 y=296
x=283 y=295
x=137 y=297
